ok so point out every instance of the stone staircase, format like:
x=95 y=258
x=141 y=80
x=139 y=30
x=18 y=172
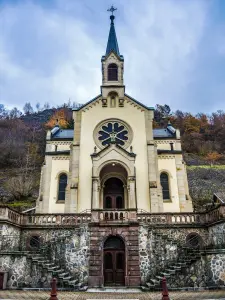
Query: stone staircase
x=184 y=259
x=55 y=267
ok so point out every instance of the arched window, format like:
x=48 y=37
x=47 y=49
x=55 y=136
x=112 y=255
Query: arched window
x=164 y=179
x=62 y=187
x=112 y=72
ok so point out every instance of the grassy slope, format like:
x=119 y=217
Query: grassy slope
x=204 y=181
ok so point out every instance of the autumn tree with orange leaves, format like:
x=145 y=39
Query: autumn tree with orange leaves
x=62 y=117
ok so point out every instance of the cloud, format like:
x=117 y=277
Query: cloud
x=174 y=51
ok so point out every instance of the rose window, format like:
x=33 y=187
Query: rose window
x=113 y=132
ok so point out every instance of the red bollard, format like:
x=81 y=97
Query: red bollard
x=53 y=291
x=165 y=294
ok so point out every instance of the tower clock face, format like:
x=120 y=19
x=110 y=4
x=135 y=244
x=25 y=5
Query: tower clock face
x=113 y=132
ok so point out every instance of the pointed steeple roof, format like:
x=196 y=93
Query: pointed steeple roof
x=112 y=44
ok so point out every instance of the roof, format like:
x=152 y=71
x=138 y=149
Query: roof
x=219 y=196
x=68 y=134
x=163 y=133
x=62 y=134
x=112 y=44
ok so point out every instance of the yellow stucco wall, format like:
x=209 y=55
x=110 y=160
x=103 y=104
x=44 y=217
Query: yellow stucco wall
x=169 y=165
x=136 y=119
x=58 y=166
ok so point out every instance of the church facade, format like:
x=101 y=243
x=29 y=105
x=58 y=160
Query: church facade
x=113 y=158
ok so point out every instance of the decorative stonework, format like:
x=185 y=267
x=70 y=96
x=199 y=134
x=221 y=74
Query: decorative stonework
x=61 y=157
x=166 y=141
x=160 y=156
x=60 y=143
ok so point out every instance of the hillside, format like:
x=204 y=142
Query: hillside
x=22 y=147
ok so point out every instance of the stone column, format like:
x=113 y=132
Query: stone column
x=95 y=193
x=132 y=192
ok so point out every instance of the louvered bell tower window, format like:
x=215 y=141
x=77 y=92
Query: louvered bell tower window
x=112 y=72
x=62 y=187
x=164 y=179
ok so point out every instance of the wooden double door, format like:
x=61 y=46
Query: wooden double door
x=113 y=201
x=114 y=267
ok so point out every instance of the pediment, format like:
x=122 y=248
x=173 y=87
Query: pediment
x=113 y=151
x=113 y=154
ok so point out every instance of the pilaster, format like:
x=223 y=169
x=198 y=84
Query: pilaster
x=155 y=191
x=185 y=204
x=131 y=191
x=71 y=202
x=95 y=193
x=47 y=170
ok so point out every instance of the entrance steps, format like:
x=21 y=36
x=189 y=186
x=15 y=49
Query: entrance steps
x=114 y=289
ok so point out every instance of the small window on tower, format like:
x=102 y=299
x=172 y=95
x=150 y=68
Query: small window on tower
x=112 y=72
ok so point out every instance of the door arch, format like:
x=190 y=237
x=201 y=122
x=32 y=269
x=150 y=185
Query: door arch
x=114 y=261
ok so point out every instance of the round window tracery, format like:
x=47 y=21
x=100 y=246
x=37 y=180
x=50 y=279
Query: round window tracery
x=113 y=132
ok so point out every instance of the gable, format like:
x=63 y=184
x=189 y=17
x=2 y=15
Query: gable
x=127 y=98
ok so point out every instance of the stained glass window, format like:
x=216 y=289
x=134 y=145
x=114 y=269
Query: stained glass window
x=113 y=132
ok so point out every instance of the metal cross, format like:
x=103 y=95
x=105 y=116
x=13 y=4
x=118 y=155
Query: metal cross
x=112 y=9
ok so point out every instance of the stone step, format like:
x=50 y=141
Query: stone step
x=59 y=271
x=171 y=271
x=165 y=274
x=176 y=267
x=73 y=282
x=62 y=275
x=155 y=281
x=68 y=278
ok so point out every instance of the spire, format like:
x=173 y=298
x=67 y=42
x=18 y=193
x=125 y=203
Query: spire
x=112 y=44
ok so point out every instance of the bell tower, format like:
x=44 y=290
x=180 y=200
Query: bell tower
x=112 y=67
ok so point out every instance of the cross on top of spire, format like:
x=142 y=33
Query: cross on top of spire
x=112 y=9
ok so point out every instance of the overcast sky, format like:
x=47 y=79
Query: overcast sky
x=174 y=50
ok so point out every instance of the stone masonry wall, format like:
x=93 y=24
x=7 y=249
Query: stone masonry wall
x=9 y=237
x=18 y=269
x=70 y=247
x=155 y=252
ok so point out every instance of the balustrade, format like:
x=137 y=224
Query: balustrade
x=119 y=216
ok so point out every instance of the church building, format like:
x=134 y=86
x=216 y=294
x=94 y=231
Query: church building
x=113 y=159
x=114 y=207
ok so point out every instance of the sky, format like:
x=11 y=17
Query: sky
x=174 y=51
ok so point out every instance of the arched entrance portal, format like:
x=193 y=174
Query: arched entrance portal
x=114 y=261
x=113 y=194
